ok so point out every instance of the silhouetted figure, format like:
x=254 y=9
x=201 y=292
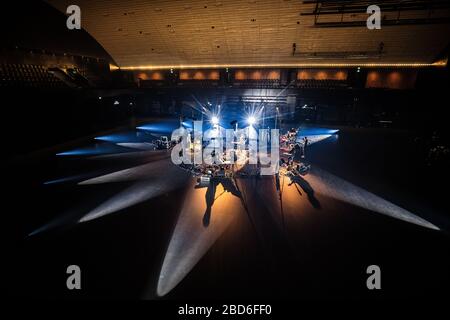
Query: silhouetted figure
x=210 y=196
x=277 y=182
x=305 y=144
x=307 y=189
x=296 y=153
x=229 y=186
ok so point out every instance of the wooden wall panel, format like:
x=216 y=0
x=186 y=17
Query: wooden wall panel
x=393 y=79
x=199 y=75
x=321 y=74
x=257 y=74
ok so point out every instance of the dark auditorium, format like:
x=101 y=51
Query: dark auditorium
x=223 y=159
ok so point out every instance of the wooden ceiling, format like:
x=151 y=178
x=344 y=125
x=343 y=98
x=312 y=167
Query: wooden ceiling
x=174 y=33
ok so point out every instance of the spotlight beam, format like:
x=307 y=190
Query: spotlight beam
x=251 y=120
x=142 y=172
x=214 y=120
x=139 y=192
x=332 y=186
x=137 y=145
x=191 y=239
x=151 y=155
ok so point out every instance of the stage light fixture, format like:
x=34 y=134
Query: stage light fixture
x=251 y=120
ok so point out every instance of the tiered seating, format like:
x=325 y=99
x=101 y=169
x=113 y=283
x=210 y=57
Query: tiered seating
x=321 y=84
x=198 y=83
x=152 y=83
x=266 y=83
x=27 y=75
x=90 y=76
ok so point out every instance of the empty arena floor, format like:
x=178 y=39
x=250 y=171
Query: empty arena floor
x=301 y=241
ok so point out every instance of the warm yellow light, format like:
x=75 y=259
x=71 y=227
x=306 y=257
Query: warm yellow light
x=441 y=63
x=113 y=67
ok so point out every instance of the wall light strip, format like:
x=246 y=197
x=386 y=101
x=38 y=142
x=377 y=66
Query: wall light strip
x=441 y=63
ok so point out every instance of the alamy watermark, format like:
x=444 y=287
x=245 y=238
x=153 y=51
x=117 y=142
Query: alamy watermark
x=227 y=146
x=74 y=19
x=73 y=281
x=374 y=280
x=374 y=20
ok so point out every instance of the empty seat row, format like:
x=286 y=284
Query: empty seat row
x=27 y=75
x=313 y=83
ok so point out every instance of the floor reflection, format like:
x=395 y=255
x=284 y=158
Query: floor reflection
x=190 y=239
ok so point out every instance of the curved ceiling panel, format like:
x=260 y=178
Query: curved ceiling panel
x=169 y=33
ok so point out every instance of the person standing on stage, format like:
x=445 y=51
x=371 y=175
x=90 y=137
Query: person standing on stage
x=305 y=144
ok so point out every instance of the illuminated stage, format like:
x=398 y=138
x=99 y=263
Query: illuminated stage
x=214 y=205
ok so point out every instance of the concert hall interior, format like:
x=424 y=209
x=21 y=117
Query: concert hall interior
x=211 y=149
